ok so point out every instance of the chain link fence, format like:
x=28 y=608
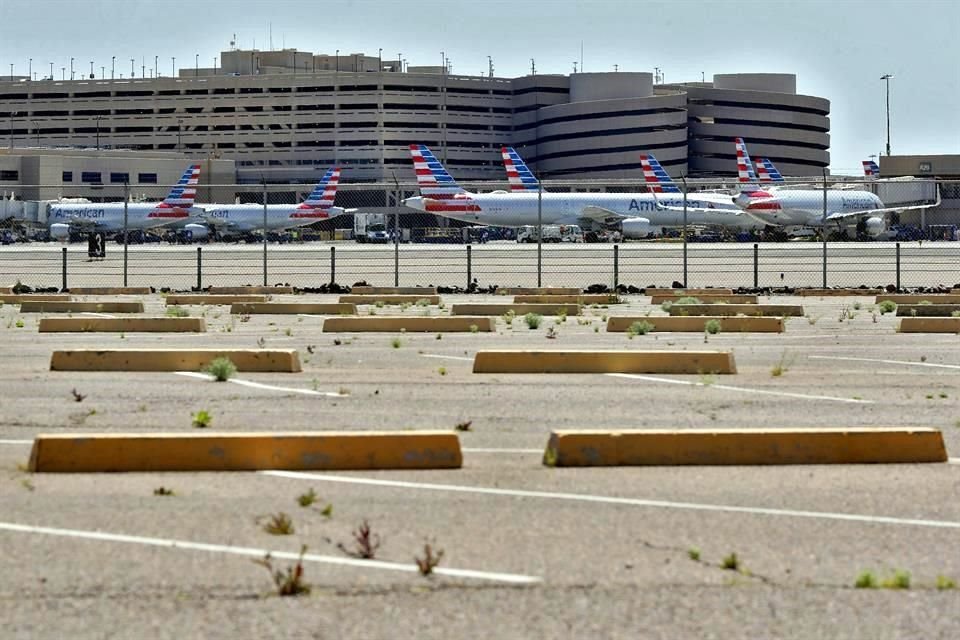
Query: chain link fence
x=376 y=239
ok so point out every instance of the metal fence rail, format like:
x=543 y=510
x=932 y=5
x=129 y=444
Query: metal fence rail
x=501 y=264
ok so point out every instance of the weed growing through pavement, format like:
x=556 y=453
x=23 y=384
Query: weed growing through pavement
x=261 y=342
x=201 y=419
x=508 y=318
x=378 y=304
x=944 y=583
x=365 y=543
x=899 y=580
x=77 y=396
x=423 y=302
x=731 y=562
x=812 y=320
x=222 y=369
x=289 y=581
x=177 y=312
x=163 y=491
x=288 y=331
x=327 y=511
x=561 y=316
x=866 y=580
x=640 y=328
x=439 y=336
x=431 y=558
x=442 y=371
x=466 y=425
x=783 y=365
x=694 y=554
x=857 y=305
x=396 y=343
x=279 y=524
x=306 y=499
x=887 y=306
x=244 y=317
x=19 y=323
x=533 y=320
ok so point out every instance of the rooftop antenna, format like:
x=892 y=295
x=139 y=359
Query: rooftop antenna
x=574 y=66
x=490 y=65
x=533 y=67
x=233 y=43
x=616 y=68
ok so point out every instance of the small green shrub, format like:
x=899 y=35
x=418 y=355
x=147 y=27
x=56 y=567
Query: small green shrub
x=177 y=312
x=396 y=343
x=688 y=300
x=307 y=499
x=222 y=369
x=474 y=329
x=887 y=306
x=533 y=320
x=201 y=419
x=19 y=323
x=899 y=580
x=731 y=562
x=712 y=326
x=640 y=328
x=694 y=554
x=279 y=524
x=423 y=302
x=866 y=580
x=944 y=583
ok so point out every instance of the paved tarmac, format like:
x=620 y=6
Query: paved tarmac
x=560 y=553
x=791 y=264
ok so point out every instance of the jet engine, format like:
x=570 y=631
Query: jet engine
x=197 y=231
x=59 y=230
x=635 y=228
x=875 y=226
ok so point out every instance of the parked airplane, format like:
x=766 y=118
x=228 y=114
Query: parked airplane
x=871 y=169
x=518 y=174
x=767 y=172
x=108 y=217
x=805 y=207
x=440 y=194
x=231 y=219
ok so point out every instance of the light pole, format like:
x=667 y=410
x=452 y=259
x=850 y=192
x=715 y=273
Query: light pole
x=30 y=69
x=132 y=74
x=71 y=68
x=196 y=65
x=51 y=71
x=886 y=78
x=380 y=59
x=11 y=72
x=400 y=61
x=113 y=66
x=337 y=56
x=173 y=66
x=156 y=67
x=92 y=76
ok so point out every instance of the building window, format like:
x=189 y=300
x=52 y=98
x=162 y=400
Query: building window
x=926 y=167
x=91 y=176
x=68 y=176
x=147 y=178
x=9 y=174
x=120 y=177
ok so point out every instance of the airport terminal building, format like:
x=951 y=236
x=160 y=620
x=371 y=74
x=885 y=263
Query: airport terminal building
x=285 y=116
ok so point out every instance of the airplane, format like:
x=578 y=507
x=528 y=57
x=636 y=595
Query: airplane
x=234 y=219
x=871 y=169
x=518 y=174
x=767 y=172
x=108 y=217
x=805 y=207
x=440 y=194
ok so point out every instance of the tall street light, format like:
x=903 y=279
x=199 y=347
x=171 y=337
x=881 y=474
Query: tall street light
x=113 y=66
x=886 y=78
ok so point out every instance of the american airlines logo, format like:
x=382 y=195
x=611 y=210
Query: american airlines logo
x=79 y=213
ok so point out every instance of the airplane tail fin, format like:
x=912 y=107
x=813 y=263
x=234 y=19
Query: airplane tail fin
x=518 y=174
x=325 y=192
x=745 y=173
x=184 y=192
x=434 y=181
x=871 y=169
x=658 y=181
x=767 y=172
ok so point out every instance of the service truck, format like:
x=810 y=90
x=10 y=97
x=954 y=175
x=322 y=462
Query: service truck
x=370 y=227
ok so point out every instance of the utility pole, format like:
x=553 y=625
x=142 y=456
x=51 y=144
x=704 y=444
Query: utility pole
x=886 y=78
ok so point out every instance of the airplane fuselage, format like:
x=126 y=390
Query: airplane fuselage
x=521 y=209
x=108 y=217
x=805 y=208
x=240 y=218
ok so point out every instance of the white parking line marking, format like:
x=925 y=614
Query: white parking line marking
x=96 y=315
x=906 y=362
x=16 y=441
x=259 y=553
x=953 y=460
x=433 y=355
x=637 y=502
x=490 y=450
x=268 y=387
x=694 y=383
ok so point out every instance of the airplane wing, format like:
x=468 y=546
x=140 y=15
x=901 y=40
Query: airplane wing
x=873 y=212
x=82 y=225
x=600 y=215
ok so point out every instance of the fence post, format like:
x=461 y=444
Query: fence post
x=823 y=226
x=333 y=265
x=199 y=269
x=396 y=240
x=264 y=233
x=126 y=232
x=616 y=266
x=539 y=234
x=898 y=266
x=469 y=266
x=756 y=266
x=63 y=269
x=683 y=178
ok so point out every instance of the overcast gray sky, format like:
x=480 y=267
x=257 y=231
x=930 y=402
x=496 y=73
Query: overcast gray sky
x=838 y=49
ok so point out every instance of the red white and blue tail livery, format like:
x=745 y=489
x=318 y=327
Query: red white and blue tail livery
x=518 y=174
x=181 y=197
x=767 y=172
x=871 y=169
x=658 y=181
x=434 y=181
x=320 y=201
x=745 y=171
